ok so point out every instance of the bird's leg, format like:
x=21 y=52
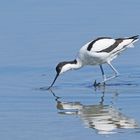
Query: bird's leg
x=115 y=72
x=103 y=75
x=104 y=78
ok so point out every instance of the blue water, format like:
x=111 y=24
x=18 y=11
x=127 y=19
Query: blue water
x=37 y=34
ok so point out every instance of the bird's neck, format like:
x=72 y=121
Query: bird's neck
x=71 y=65
x=77 y=64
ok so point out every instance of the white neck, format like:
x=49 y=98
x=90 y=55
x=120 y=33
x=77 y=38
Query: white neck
x=76 y=64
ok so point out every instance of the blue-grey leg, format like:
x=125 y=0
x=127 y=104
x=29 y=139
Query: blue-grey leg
x=115 y=72
x=103 y=74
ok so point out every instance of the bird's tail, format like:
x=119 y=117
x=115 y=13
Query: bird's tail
x=134 y=38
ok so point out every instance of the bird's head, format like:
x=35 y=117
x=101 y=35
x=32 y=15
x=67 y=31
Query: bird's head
x=63 y=67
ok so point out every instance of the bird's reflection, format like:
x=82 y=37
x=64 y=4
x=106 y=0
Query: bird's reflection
x=105 y=119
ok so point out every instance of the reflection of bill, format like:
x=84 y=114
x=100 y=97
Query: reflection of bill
x=106 y=119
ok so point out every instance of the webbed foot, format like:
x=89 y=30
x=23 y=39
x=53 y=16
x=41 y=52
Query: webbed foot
x=98 y=84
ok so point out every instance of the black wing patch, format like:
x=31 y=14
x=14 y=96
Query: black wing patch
x=112 y=47
x=92 y=42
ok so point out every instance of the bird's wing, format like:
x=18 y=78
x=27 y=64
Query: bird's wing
x=109 y=45
x=100 y=44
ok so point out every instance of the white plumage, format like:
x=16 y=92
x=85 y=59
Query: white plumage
x=100 y=44
x=97 y=52
x=100 y=53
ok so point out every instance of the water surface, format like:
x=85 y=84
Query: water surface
x=34 y=37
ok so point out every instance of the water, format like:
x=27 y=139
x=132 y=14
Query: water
x=34 y=37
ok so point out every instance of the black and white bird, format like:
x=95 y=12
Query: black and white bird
x=97 y=52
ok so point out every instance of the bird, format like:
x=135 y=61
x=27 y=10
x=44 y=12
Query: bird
x=99 y=51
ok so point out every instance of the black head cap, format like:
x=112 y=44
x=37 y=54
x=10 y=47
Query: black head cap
x=60 y=66
x=59 y=69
